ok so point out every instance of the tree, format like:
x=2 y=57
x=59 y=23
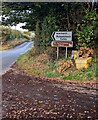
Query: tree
x=86 y=31
x=44 y=18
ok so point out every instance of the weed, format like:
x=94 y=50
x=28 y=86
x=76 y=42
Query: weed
x=69 y=77
x=50 y=74
x=95 y=70
x=64 y=78
x=38 y=72
x=76 y=76
x=89 y=75
x=54 y=66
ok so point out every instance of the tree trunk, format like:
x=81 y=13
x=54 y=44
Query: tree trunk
x=68 y=22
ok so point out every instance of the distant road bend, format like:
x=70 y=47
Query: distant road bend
x=8 y=57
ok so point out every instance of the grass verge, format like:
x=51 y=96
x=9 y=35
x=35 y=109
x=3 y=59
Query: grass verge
x=45 y=65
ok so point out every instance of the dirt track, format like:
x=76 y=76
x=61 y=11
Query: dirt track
x=25 y=97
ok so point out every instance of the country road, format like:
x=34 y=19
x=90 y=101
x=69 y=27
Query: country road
x=8 y=57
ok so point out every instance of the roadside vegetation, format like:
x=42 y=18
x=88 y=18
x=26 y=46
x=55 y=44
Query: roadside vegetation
x=80 y=18
x=9 y=38
x=46 y=65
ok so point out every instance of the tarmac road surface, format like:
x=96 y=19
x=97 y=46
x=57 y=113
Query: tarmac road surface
x=8 y=57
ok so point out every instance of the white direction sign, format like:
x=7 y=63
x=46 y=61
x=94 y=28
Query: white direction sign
x=62 y=35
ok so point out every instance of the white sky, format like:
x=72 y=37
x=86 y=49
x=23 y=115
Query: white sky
x=18 y=27
x=0 y=17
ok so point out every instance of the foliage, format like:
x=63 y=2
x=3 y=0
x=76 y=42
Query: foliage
x=96 y=69
x=44 y=18
x=69 y=77
x=85 y=32
x=10 y=38
x=37 y=35
x=26 y=36
x=81 y=75
x=47 y=26
x=44 y=34
x=8 y=34
x=50 y=73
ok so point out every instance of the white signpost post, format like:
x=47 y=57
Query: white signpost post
x=62 y=39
